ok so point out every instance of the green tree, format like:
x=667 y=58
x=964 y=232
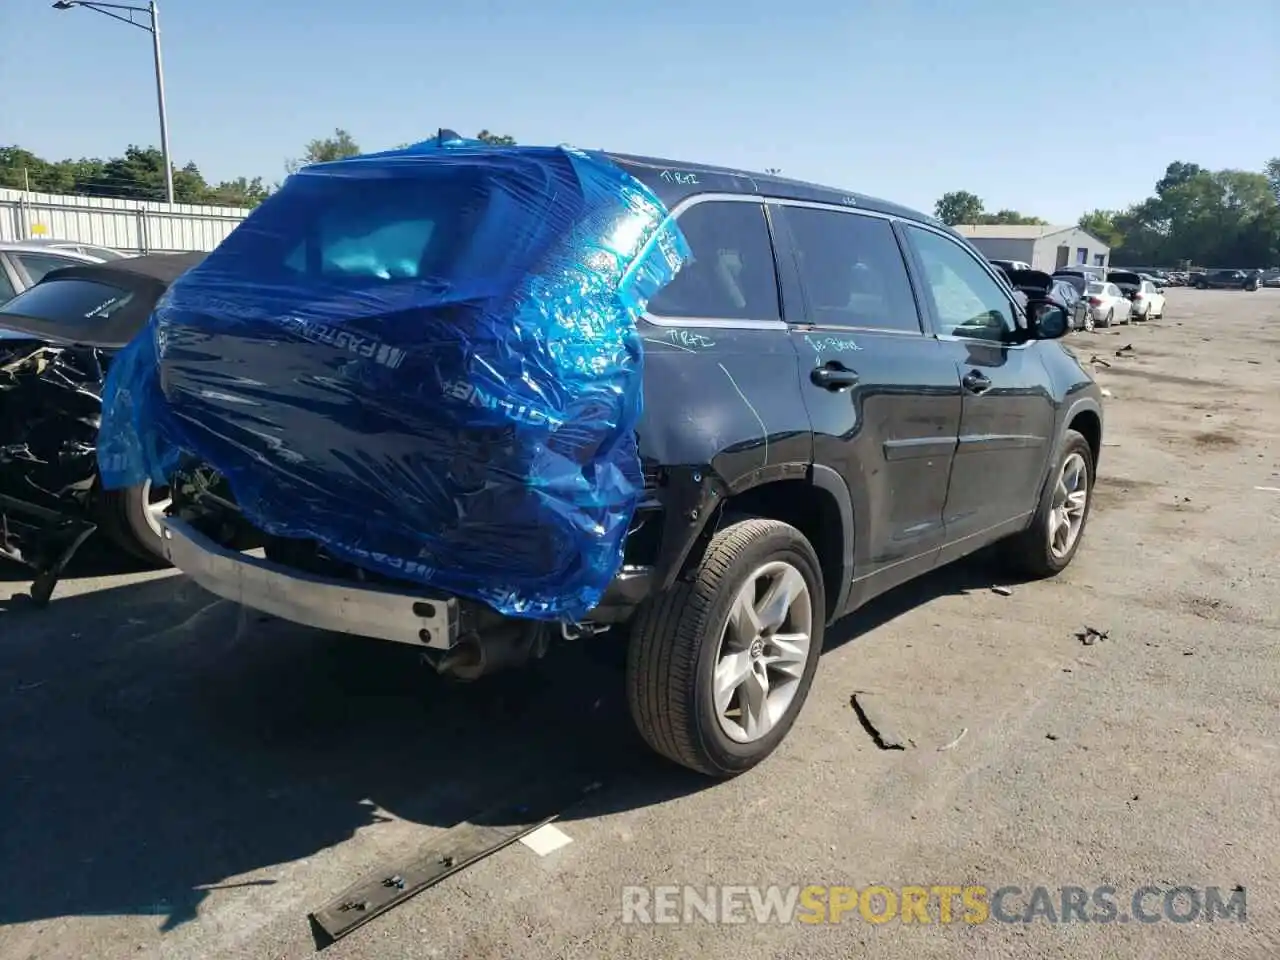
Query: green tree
x=1010 y=217
x=958 y=206
x=1212 y=218
x=337 y=147
x=1102 y=224
x=240 y=192
x=495 y=139
x=1273 y=177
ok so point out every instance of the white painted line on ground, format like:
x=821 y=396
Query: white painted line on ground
x=546 y=839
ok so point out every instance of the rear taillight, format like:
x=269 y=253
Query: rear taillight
x=1095 y=302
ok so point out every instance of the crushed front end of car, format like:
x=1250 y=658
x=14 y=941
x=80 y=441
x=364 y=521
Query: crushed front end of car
x=50 y=407
x=413 y=380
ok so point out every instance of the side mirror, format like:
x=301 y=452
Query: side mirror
x=1046 y=321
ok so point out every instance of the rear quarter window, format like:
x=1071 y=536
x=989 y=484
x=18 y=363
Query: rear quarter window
x=731 y=274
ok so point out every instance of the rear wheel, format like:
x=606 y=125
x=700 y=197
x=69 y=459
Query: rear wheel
x=1088 y=321
x=131 y=518
x=720 y=665
x=1111 y=315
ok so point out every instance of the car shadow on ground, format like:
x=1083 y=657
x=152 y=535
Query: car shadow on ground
x=159 y=741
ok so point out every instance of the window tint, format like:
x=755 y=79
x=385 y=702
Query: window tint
x=967 y=301
x=6 y=286
x=852 y=270
x=39 y=264
x=68 y=300
x=731 y=274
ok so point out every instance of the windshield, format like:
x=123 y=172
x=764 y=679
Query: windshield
x=68 y=301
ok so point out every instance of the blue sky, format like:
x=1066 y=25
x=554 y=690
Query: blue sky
x=1047 y=108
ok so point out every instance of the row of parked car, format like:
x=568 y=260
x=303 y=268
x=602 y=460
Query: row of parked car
x=1092 y=296
x=1217 y=279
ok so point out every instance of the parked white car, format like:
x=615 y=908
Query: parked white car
x=1107 y=304
x=1148 y=302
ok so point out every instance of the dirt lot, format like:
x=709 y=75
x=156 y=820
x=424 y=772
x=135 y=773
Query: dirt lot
x=184 y=779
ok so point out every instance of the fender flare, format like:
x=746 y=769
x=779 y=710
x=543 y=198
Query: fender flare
x=833 y=483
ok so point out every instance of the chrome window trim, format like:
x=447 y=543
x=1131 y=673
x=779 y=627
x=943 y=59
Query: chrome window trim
x=765 y=200
x=717 y=322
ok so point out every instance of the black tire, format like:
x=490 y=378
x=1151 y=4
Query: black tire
x=1027 y=554
x=1111 y=315
x=1088 y=322
x=122 y=516
x=675 y=641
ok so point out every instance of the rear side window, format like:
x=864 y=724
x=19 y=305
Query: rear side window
x=67 y=301
x=731 y=275
x=852 y=270
x=38 y=264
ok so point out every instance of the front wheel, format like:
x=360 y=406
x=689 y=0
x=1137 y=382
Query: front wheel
x=1046 y=547
x=131 y=518
x=720 y=664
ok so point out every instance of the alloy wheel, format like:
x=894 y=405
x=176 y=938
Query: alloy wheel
x=1070 y=498
x=158 y=501
x=763 y=651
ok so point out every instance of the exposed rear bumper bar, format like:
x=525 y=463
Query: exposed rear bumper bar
x=414 y=617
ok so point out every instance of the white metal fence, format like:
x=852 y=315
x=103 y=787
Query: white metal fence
x=136 y=226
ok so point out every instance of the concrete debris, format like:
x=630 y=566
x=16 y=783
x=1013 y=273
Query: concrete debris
x=958 y=738
x=1003 y=591
x=874 y=722
x=1090 y=635
x=1107 y=393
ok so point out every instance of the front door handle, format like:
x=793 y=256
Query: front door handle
x=976 y=382
x=834 y=376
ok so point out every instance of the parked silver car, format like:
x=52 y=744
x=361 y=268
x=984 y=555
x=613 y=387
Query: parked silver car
x=1107 y=304
x=25 y=263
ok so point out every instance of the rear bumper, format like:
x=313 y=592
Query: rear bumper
x=410 y=615
x=418 y=618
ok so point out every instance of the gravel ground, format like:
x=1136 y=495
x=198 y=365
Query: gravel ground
x=182 y=778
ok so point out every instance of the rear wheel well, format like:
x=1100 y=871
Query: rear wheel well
x=1089 y=425
x=811 y=510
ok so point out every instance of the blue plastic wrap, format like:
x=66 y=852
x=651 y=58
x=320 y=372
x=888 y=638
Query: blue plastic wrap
x=426 y=360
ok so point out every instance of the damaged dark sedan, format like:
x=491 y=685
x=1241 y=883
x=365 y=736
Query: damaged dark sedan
x=57 y=340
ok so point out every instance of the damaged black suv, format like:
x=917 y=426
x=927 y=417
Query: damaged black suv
x=841 y=395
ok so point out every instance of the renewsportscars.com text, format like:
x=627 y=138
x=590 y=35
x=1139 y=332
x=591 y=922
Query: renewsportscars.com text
x=935 y=903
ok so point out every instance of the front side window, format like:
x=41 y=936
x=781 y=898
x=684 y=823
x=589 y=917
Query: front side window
x=967 y=301
x=852 y=270
x=731 y=274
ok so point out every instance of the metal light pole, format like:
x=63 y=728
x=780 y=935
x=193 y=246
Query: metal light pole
x=125 y=15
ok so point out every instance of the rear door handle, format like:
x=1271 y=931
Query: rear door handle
x=976 y=382
x=834 y=376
